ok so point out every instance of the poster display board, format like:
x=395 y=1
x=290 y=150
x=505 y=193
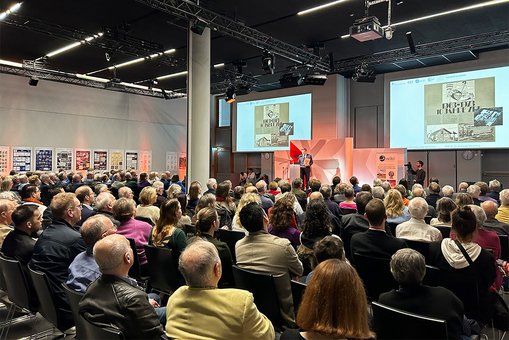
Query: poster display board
x=182 y=161
x=116 y=160
x=43 y=159
x=4 y=160
x=100 y=160
x=387 y=167
x=82 y=159
x=131 y=159
x=21 y=158
x=145 y=160
x=64 y=157
x=172 y=161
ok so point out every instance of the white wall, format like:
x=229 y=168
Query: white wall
x=58 y=115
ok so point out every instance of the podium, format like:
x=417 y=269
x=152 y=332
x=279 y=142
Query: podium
x=294 y=172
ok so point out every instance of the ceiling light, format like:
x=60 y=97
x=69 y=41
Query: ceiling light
x=198 y=26
x=173 y=75
x=10 y=63
x=33 y=81
x=230 y=94
x=74 y=45
x=268 y=61
x=134 y=61
x=219 y=65
x=12 y=9
x=320 y=7
x=87 y=77
x=170 y=51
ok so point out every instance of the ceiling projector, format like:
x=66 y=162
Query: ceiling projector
x=366 y=29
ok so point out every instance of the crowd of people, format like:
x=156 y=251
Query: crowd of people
x=76 y=228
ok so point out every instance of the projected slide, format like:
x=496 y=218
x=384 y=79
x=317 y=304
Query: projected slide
x=453 y=111
x=270 y=124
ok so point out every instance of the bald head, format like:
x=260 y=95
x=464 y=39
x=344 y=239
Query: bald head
x=315 y=195
x=95 y=228
x=105 y=201
x=490 y=208
x=200 y=264
x=113 y=255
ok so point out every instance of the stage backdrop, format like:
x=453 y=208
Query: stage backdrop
x=386 y=164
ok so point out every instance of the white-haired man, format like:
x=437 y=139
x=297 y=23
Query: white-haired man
x=503 y=209
x=416 y=228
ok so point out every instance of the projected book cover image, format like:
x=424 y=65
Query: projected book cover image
x=272 y=126
x=461 y=111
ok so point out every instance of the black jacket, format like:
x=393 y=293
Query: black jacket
x=376 y=243
x=18 y=245
x=113 y=300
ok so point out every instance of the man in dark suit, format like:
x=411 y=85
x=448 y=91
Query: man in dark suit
x=86 y=196
x=305 y=162
x=375 y=241
x=354 y=223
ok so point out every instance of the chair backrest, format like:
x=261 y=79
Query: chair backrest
x=376 y=274
x=18 y=285
x=263 y=288
x=444 y=229
x=163 y=268
x=44 y=293
x=392 y=227
x=230 y=237
x=145 y=219
x=427 y=219
x=504 y=247
x=298 y=289
x=347 y=211
x=421 y=247
x=97 y=332
x=189 y=229
x=392 y=323
x=74 y=298
x=135 y=270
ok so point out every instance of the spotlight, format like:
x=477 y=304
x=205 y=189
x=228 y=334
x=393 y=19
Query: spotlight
x=268 y=61
x=33 y=81
x=364 y=74
x=230 y=94
x=315 y=79
x=108 y=56
x=291 y=80
x=198 y=26
x=411 y=43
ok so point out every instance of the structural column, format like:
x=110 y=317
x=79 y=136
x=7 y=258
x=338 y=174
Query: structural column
x=198 y=107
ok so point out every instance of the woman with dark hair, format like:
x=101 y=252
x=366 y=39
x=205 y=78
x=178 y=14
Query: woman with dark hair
x=445 y=206
x=333 y=305
x=463 y=199
x=184 y=219
x=176 y=180
x=462 y=258
x=166 y=232
x=193 y=197
x=207 y=200
x=207 y=223
x=282 y=219
x=225 y=206
x=317 y=224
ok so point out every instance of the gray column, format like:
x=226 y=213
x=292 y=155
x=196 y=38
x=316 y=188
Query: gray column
x=198 y=107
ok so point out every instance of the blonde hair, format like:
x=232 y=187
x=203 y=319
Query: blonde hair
x=148 y=195
x=245 y=200
x=394 y=204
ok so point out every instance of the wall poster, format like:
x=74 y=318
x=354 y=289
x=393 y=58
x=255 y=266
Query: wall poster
x=387 y=167
x=22 y=158
x=82 y=159
x=4 y=160
x=64 y=158
x=131 y=160
x=145 y=161
x=100 y=160
x=116 y=160
x=172 y=161
x=43 y=159
x=182 y=161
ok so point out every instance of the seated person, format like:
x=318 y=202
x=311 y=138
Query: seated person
x=115 y=299
x=329 y=247
x=201 y=311
x=408 y=269
x=416 y=228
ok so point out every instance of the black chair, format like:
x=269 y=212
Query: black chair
x=135 y=270
x=163 y=268
x=376 y=274
x=47 y=306
x=98 y=332
x=263 y=288
x=230 y=237
x=145 y=219
x=74 y=298
x=421 y=247
x=504 y=247
x=189 y=229
x=427 y=219
x=347 y=211
x=392 y=323
x=298 y=289
x=444 y=229
x=392 y=227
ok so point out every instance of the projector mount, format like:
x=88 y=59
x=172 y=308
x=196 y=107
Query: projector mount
x=369 y=28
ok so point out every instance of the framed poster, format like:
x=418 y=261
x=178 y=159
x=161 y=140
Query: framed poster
x=82 y=159
x=172 y=161
x=4 y=160
x=22 y=158
x=64 y=158
x=182 y=161
x=100 y=160
x=116 y=160
x=131 y=160
x=145 y=161
x=43 y=159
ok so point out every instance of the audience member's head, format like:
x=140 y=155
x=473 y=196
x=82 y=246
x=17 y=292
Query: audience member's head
x=375 y=213
x=335 y=181
x=85 y=194
x=125 y=192
x=297 y=183
x=462 y=187
x=105 y=202
x=377 y=182
x=483 y=187
x=194 y=190
x=386 y=186
x=281 y=215
x=329 y=247
x=314 y=184
x=445 y=206
x=315 y=195
x=463 y=199
x=494 y=185
x=448 y=191
x=96 y=228
x=408 y=267
x=170 y=213
x=418 y=208
x=148 y=196
x=238 y=191
x=207 y=220
x=464 y=223
x=207 y=200
x=261 y=186
x=474 y=191
x=490 y=208
x=284 y=186
x=418 y=191
x=480 y=215
x=366 y=187
x=504 y=197
x=114 y=255
x=378 y=192
x=27 y=218
x=326 y=191
x=349 y=193
x=402 y=190
x=317 y=220
x=252 y=217
x=66 y=206
x=124 y=209
x=362 y=199
x=211 y=184
x=200 y=265
x=434 y=188
x=354 y=180
x=334 y=303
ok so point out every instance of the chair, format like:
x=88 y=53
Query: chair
x=427 y=219
x=504 y=247
x=74 y=298
x=392 y=323
x=347 y=211
x=135 y=270
x=444 y=229
x=421 y=247
x=298 y=289
x=144 y=219
x=163 y=268
x=47 y=306
x=263 y=288
x=230 y=237
x=375 y=273
x=189 y=229
x=392 y=227
x=97 y=332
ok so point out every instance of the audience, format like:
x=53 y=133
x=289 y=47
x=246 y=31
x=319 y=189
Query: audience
x=282 y=220
x=416 y=228
x=445 y=206
x=245 y=200
x=201 y=311
x=434 y=194
x=503 y=209
x=463 y=199
x=395 y=207
x=225 y=206
x=491 y=223
x=6 y=209
x=329 y=247
x=348 y=202
x=86 y=196
x=146 y=208
x=166 y=233
x=115 y=299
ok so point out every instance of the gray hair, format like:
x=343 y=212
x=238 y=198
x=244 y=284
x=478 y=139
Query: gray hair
x=418 y=191
x=504 y=197
x=494 y=185
x=386 y=185
x=158 y=185
x=196 y=263
x=418 y=208
x=124 y=192
x=103 y=199
x=378 y=192
x=480 y=215
x=377 y=182
x=447 y=190
x=408 y=267
x=326 y=191
x=473 y=190
x=211 y=182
